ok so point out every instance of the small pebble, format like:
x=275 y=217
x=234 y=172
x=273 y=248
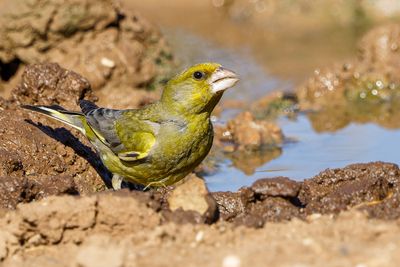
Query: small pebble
x=199 y=236
x=107 y=62
x=231 y=261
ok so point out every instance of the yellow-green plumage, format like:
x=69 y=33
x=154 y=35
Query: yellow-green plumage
x=161 y=143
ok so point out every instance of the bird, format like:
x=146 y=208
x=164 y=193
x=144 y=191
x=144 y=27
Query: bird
x=161 y=143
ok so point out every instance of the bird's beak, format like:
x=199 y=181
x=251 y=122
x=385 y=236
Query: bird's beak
x=222 y=79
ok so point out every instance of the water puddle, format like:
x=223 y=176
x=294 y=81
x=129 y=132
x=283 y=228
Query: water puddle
x=306 y=151
x=310 y=153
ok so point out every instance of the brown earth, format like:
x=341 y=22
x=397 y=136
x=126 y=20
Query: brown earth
x=366 y=89
x=51 y=213
x=88 y=232
x=110 y=46
x=40 y=160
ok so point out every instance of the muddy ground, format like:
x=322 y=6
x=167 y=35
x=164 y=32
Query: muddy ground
x=56 y=210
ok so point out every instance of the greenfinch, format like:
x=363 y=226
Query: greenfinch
x=162 y=142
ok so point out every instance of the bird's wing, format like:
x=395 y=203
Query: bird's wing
x=128 y=136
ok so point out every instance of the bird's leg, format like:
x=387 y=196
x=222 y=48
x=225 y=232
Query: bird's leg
x=158 y=183
x=116 y=181
x=148 y=185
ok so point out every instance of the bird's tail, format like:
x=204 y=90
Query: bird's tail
x=74 y=119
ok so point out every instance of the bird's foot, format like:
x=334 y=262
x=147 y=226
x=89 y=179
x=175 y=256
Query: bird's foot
x=158 y=184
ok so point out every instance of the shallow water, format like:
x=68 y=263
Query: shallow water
x=306 y=152
x=313 y=152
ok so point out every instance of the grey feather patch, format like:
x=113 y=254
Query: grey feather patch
x=87 y=106
x=103 y=120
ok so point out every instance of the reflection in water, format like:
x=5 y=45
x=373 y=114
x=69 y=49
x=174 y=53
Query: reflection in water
x=337 y=117
x=314 y=152
x=249 y=161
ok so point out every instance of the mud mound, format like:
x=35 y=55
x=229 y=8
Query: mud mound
x=114 y=230
x=49 y=84
x=97 y=39
x=366 y=89
x=38 y=160
x=37 y=153
x=373 y=188
x=247 y=141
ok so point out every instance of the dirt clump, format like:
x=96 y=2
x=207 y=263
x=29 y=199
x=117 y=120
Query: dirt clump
x=366 y=89
x=191 y=196
x=247 y=133
x=121 y=231
x=380 y=48
x=248 y=142
x=97 y=39
x=36 y=153
x=20 y=189
x=266 y=200
x=50 y=84
x=45 y=160
x=372 y=187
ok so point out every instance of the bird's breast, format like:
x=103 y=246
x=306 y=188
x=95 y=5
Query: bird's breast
x=183 y=142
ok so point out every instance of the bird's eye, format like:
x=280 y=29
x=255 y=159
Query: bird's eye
x=198 y=75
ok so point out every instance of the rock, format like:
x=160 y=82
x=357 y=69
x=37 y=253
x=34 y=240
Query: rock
x=39 y=153
x=380 y=47
x=192 y=197
x=3 y=247
x=274 y=187
x=49 y=84
x=17 y=189
x=67 y=219
x=39 y=160
x=10 y=163
x=266 y=200
x=248 y=133
x=12 y=191
x=102 y=41
x=373 y=187
x=233 y=204
x=50 y=221
x=365 y=89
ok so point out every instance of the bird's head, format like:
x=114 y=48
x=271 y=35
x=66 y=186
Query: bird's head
x=198 y=88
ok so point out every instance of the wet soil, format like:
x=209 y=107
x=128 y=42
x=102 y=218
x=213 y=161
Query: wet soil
x=110 y=46
x=362 y=90
x=113 y=230
x=40 y=160
x=56 y=210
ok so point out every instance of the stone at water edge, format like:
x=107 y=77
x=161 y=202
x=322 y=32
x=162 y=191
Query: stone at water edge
x=193 y=196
